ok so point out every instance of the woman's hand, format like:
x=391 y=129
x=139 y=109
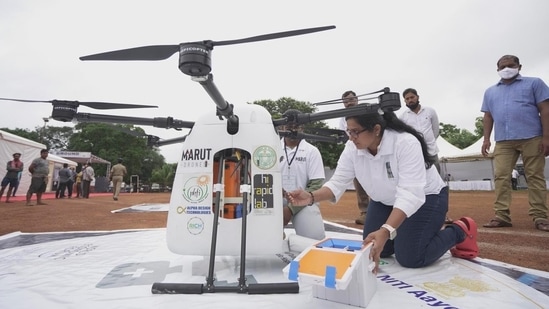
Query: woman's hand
x=378 y=239
x=299 y=197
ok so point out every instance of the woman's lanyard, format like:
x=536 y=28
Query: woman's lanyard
x=293 y=157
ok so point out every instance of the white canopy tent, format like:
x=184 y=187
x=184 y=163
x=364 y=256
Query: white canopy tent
x=469 y=164
x=447 y=150
x=30 y=150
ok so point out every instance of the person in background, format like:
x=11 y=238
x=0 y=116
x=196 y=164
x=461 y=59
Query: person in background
x=13 y=167
x=425 y=120
x=514 y=179
x=118 y=172
x=18 y=183
x=350 y=99
x=70 y=183
x=302 y=167
x=64 y=176
x=408 y=198
x=517 y=109
x=39 y=170
x=88 y=175
x=78 y=182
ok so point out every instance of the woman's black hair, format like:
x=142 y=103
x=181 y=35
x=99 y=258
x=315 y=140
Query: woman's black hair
x=390 y=120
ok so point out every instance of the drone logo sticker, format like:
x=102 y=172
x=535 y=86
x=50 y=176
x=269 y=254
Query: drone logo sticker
x=193 y=158
x=195 y=225
x=264 y=157
x=195 y=189
x=263 y=191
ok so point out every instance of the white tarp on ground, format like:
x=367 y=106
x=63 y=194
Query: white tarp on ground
x=144 y=208
x=116 y=269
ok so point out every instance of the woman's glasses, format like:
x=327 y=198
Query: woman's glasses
x=355 y=134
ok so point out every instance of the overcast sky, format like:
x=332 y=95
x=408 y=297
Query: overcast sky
x=446 y=50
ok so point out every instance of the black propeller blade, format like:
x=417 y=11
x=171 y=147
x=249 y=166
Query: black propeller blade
x=272 y=36
x=161 y=52
x=95 y=105
x=146 y=53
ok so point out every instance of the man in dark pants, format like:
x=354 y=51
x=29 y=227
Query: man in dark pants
x=64 y=177
x=87 y=177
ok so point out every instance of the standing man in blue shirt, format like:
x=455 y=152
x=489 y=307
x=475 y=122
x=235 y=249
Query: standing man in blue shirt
x=517 y=107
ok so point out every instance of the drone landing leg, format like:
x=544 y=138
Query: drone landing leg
x=256 y=288
x=209 y=287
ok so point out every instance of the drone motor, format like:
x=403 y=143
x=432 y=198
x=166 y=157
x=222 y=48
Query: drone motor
x=63 y=110
x=194 y=59
x=389 y=101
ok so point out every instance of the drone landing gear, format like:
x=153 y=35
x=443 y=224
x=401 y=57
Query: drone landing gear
x=241 y=287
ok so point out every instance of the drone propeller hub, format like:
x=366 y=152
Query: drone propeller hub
x=64 y=111
x=389 y=101
x=195 y=59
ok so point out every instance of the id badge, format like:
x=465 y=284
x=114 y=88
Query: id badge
x=289 y=182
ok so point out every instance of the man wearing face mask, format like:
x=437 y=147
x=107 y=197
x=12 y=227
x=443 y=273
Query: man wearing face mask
x=517 y=108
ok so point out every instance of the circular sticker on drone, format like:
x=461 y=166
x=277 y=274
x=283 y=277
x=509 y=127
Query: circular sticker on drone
x=195 y=189
x=264 y=157
x=195 y=225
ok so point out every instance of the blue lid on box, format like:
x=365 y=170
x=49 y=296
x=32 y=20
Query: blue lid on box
x=349 y=245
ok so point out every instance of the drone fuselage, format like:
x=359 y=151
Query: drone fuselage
x=250 y=177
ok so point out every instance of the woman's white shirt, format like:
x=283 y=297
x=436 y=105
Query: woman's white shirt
x=395 y=176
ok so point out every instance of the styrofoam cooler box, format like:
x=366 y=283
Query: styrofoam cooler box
x=338 y=269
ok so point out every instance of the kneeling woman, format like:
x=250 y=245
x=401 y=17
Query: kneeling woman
x=408 y=198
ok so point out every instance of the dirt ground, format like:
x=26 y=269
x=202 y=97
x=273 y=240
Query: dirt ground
x=520 y=245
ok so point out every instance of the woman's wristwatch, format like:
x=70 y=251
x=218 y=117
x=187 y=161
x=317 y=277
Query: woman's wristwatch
x=392 y=231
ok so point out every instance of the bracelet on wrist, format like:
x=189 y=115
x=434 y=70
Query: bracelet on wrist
x=312 y=198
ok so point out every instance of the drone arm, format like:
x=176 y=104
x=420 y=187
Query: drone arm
x=170 y=141
x=223 y=108
x=338 y=113
x=158 y=122
x=320 y=138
